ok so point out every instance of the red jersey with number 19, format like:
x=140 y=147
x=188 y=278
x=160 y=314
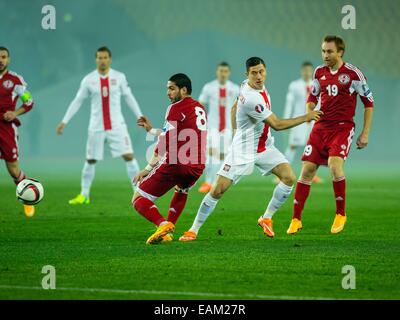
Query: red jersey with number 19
x=184 y=137
x=337 y=92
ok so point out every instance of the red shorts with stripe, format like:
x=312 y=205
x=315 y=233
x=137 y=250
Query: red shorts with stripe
x=8 y=141
x=325 y=142
x=165 y=176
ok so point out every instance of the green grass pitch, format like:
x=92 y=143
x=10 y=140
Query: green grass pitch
x=99 y=250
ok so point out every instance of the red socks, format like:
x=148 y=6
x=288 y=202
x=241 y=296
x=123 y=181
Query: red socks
x=176 y=207
x=339 y=188
x=300 y=197
x=148 y=210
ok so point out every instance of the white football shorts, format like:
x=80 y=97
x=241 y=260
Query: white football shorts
x=264 y=161
x=118 y=140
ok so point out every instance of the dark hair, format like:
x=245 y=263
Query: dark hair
x=307 y=64
x=224 y=64
x=104 y=49
x=5 y=49
x=182 y=80
x=339 y=42
x=254 y=61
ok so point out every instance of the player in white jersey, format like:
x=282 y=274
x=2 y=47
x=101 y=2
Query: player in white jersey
x=296 y=106
x=104 y=86
x=252 y=145
x=218 y=96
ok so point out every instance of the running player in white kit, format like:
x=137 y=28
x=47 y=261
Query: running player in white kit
x=104 y=86
x=295 y=106
x=252 y=145
x=218 y=96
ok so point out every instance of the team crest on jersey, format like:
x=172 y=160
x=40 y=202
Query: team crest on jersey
x=113 y=82
x=8 y=84
x=343 y=146
x=227 y=167
x=344 y=78
x=105 y=92
x=259 y=108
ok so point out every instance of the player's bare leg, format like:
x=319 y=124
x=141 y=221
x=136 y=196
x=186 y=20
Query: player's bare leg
x=290 y=154
x=211 y=170
x=207 y=206
x=281 y=193
x=336 y=167
x=16 y=173
x=132 y=166
x=87 y=177
x=303 y=186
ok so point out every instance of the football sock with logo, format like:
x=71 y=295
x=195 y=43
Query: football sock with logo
x=148 y=209
x=87 y=177
x=132 y=168
x=19 y=178
x=339 y=188
x=279 y=197
x=290 y=154
x=207 y=206
x=300 y=197
x=177 y=205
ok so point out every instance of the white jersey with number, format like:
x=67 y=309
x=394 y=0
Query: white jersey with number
x=218 y=101
x=105 y=93
x=295 y=106
x=252 y=134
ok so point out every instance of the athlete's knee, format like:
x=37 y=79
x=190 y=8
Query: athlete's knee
x=308 y=172
x=289 y=178
x=91 y=161
x=336 y=170
x=128 y=157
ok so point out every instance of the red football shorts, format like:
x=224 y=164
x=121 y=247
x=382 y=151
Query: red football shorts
x=165 y=176
x=8 y=141
x=329 y=142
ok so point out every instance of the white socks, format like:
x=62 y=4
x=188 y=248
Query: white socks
x=132 y=168
x=280 y=195
x=290 y=153
x=207 y=206
x=87 y=178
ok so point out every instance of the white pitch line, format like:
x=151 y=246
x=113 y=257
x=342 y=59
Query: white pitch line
x=157 y=292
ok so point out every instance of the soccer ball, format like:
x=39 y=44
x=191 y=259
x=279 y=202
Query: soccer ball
x=30 y=191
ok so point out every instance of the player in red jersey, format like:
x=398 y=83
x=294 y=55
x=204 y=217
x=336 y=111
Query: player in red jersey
x=336 y=85
x=12 y=87
x=178 y=160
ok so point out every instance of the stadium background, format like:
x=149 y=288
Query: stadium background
x=152 y=40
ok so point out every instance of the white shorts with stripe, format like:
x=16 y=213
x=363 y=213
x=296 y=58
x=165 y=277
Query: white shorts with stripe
x=264 y=161
x=118 y=140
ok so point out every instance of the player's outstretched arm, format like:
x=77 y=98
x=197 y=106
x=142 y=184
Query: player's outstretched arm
x=145 y=123
x=282 y=124
x=362 y=140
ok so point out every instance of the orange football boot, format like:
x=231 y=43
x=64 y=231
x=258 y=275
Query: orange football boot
x=205 y=187
x=295 y=226
x=188 y=236
x=266 y=224
x=338 y=223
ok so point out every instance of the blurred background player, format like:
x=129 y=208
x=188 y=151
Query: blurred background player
x=104 y=86
x=218 y=96
x=295 y=106
x=252 y=145
x=336 y=85
x=176 y=162
x=12 y=87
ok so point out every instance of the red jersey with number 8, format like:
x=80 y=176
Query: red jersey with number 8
x=184 y=137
